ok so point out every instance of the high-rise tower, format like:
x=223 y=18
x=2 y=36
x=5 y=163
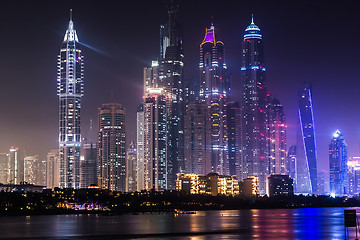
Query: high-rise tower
x=214 y=87
x=291 y=163
x=140 y=147
x=277 y=126
x=155 y=140
x=16 y=166
x=233 y=112
x=197 y=151
x=4 y=168
x=131 y=168
x=70 y=90
x=171 y=80
x=307 y=151
x=111 y=148
x=52 y=169
x=255 y=107
x=339 y=184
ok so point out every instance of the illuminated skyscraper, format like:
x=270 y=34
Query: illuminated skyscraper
x=131 y=168
x=16 y=166
x=255 y=107
x=306 y=150
x=214 y=87
x=151 y=76
x=354 y=175
x=31 y=170
x=88 y=164
x=52 y=169
x=4 y=168
x=171 y=80
x=155 y=140
x=140 y=147
x=111 y=148
x=70 y=90
x=291 y=163
x=197 y=151
x=233 y=112
x=277 y=126
x=339 y=184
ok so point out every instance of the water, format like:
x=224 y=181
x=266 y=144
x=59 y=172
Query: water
x=307 y=223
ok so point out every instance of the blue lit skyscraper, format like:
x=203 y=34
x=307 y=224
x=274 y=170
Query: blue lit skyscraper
x=171 y=79
x=214 y=88
x=307 y=160
x=339 y=184
x=70 y=90
x=255 y=107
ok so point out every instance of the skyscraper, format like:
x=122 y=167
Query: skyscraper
x=52 y=169
x=354 y=175
x=171 y=80
x=277 y=127
x=339 y=184
x=155 y=140
x=30 y=170
x=214 y=87
x=70 y=90
x=4 y=167
x=197 y=151
x=233 y=112
x=307 y=150
x=16 y=166
x=291 y=163
x=111 y=148
x=88 y=161
x=140 y=147
x=131 y=168
x=255 y=107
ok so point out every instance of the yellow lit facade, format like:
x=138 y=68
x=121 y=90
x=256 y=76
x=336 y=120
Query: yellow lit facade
x=212 y=184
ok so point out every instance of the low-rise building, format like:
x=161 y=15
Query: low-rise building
x=249 y=187
x=212 y=184
x=279 y=184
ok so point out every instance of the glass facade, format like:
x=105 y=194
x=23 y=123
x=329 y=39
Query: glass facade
x=339 y=184
x=307 y=128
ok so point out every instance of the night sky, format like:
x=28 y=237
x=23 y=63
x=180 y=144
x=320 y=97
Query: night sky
x=314 y=42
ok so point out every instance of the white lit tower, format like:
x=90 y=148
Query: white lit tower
x=70 y=90
x=214 y=88
x=255 y=107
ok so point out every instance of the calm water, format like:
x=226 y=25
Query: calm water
x=318 y=223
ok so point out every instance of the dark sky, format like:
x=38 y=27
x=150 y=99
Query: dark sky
x=316 y=42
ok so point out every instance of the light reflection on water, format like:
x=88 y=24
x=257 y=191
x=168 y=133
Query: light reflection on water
x=281 y=224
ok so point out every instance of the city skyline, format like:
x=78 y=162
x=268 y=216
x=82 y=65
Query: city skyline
x=29 y=129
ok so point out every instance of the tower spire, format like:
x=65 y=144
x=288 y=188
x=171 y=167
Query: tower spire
x=252 y=19
x=70 y=15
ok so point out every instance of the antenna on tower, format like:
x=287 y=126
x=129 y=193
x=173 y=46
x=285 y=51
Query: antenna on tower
x=252 y=18
x=70 y=14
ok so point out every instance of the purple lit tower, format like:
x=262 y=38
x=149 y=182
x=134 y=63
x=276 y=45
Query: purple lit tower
x=214 y=88
x=70 y=90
